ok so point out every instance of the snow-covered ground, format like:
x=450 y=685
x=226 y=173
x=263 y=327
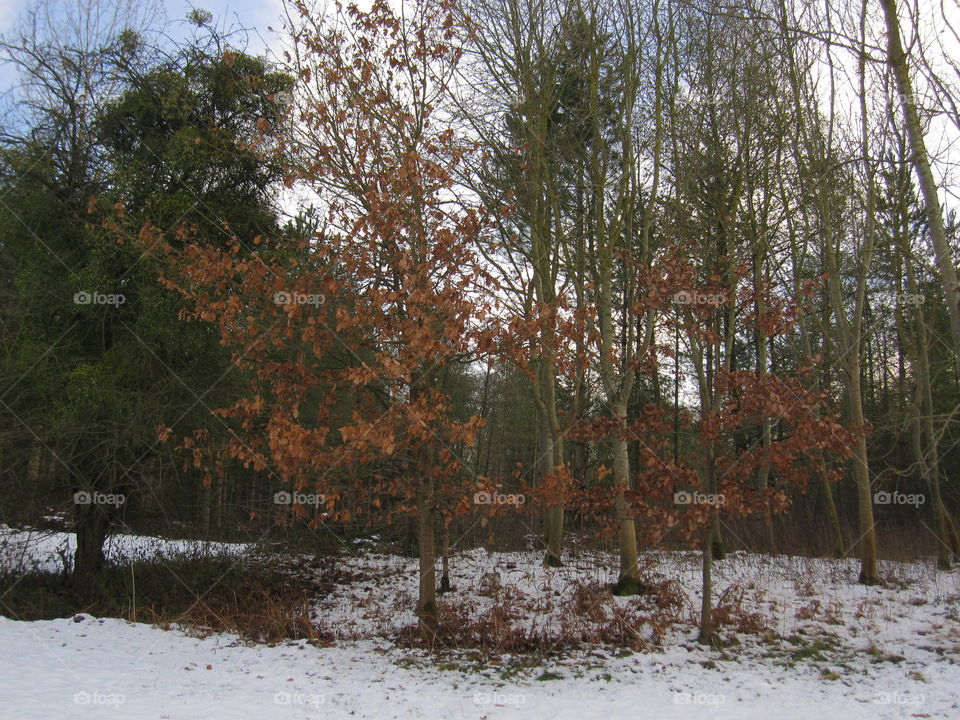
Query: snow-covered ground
x=814 y=645
x=49 y=550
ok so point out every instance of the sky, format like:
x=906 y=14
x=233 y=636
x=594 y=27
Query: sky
x=257 y=16
x=253 y=18
x=254 y=15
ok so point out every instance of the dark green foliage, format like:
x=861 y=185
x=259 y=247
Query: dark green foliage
x=95 y=354
x=173 y=140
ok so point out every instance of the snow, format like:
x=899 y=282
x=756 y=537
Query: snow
x=49 y=551
x=113 y=668
x=831 y=649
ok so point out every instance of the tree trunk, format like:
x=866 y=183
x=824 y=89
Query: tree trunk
x=717 y=549
x=925 y=438
x=553 y=513
x=897 y=59
x=554 y=521
x=850 y=329
x=445 y=586
x=707 y=634
x=92 y=523
x=861 y=475
x=763 y=472
x=34 y=464
x=411 y=541
x=952 y=535
x=629 y=581
x=427 y=601
x=833 y=518
x=206 y=499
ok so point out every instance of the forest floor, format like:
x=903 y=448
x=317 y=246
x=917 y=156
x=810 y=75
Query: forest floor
x=801 y=641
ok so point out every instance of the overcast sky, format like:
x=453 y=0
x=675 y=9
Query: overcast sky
x=256 y=16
